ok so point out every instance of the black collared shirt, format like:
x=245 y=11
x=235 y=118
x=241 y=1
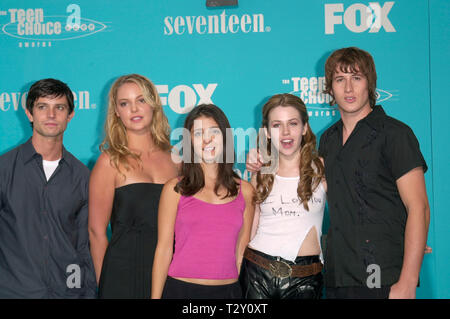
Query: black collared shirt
x=367 y=215
x=44 y=241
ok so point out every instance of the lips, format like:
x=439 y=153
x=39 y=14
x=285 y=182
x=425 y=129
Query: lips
x=350 y=99
x=209 y=149
x=287 y=143
x=136 y=118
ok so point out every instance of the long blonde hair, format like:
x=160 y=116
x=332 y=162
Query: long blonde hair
x=311 y=167
x=115 y=143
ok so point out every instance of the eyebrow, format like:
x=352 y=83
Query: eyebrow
x=44 y=103
x=125 y=99
x=292 y=119
x=211 y=127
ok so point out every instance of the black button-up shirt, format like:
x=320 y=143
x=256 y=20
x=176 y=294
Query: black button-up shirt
x=367 y=215
x=44 y=242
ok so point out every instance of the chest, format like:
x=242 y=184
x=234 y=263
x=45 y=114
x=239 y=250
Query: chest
x=30 y=198
x=361 y=164
x=196 y=215
x=283 y=201
x=207 y=194
x=157 y=168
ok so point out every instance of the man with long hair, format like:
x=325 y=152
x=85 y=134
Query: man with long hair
x=377 y=201
x=379 y=211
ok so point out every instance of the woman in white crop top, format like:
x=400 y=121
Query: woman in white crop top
x=283 y=259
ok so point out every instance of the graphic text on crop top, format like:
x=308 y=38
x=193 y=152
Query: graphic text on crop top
x=284 y=222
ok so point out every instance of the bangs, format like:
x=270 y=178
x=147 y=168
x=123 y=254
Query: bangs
x=351 y=66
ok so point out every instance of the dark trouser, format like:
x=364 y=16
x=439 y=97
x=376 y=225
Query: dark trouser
x=358 y=293
x=178 y=289
x=260 y=283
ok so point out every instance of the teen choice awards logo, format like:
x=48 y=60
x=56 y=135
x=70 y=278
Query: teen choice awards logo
x=31 y=24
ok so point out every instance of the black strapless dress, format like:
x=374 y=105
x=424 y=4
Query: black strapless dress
x=127 y=266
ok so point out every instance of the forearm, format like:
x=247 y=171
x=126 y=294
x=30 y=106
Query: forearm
x=239 y=256
x=241 y=246
x=99 y=244
x=161 y=264
x=416 y=233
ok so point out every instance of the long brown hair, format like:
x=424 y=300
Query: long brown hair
x=311 y=167
x=115 y=143
x=192 y=178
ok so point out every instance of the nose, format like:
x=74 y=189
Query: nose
x=207 y=138
x=134 y=107
x=51 y=112
x=285 y=129
x=348 y=86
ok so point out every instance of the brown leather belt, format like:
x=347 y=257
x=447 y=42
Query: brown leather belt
x=282 y=269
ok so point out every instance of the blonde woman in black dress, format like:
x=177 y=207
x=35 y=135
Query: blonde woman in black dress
x=125 y=187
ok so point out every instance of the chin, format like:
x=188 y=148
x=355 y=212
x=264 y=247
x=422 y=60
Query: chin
x=289 y=153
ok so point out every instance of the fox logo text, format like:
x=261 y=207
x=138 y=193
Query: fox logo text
x=182 y=98
x=373 y=17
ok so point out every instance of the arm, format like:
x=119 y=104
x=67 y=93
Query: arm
x=101 y=196
x=255 y=221
x=244 y=234
x=412 y=191
x=89 y=282
x=324 y=181
x=257 y=211
x=167 y=213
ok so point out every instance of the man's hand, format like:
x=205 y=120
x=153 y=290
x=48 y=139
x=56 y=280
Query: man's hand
x=254 y=161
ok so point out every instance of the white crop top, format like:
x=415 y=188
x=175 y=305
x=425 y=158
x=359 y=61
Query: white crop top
x=284 y=222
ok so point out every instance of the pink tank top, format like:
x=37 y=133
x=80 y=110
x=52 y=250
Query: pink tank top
x=205 y=238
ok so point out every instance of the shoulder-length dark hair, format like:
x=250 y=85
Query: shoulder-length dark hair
x=192 y=178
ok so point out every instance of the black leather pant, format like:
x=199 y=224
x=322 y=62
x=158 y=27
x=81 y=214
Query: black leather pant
x=259 y=283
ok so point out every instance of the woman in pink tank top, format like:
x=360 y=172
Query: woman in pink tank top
x=207 y=212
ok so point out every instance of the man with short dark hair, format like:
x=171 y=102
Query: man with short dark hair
x=44 y=242
x=379 y=211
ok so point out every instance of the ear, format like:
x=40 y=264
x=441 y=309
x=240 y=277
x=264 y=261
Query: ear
x=70 y=116
x=29 y=115
x=305 y=128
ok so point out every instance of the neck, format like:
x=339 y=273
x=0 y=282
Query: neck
x=289 y=165
x=141 y=143
x=50 y=148
x=350 y=120
x=210 y=172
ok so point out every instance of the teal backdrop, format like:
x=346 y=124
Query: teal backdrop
x=236 y=57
